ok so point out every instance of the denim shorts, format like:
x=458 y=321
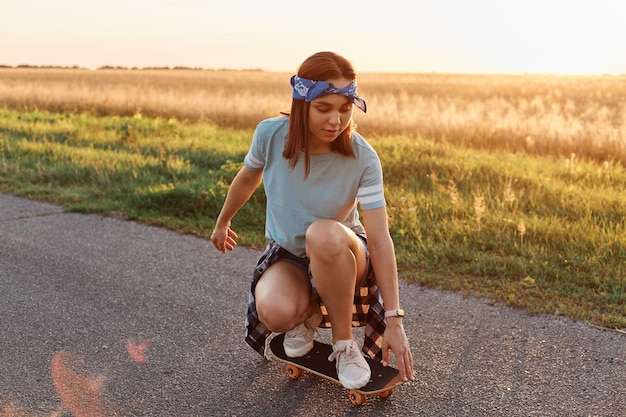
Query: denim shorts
x=305 y=263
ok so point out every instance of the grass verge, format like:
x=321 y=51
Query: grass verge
x=541 y=233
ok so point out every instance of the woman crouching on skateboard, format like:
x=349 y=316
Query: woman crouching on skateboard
x=315 y=168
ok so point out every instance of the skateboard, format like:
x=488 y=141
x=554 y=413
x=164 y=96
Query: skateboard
x=383 y=381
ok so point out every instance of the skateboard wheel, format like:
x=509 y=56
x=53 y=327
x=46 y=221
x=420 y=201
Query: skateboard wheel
x=294 y=372
x=386 y=394
x=356 y=397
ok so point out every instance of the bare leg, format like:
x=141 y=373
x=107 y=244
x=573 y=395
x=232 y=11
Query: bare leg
x=337 y=258
x=283 y=296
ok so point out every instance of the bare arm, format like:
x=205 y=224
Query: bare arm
x=383 y=258
x=242 y=187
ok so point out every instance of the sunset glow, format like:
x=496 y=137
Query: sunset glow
x=448 y=36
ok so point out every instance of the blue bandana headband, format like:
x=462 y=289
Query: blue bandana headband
x=308 y=90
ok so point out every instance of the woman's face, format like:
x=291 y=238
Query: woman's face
x=328 y=117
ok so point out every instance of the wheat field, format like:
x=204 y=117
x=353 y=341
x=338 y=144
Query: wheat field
x=538 y=114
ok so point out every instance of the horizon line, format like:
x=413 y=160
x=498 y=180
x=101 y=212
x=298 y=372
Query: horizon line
x=194 y=68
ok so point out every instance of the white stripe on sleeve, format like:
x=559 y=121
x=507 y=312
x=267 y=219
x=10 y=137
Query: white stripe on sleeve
x=253 y=162
x=371 y=194
x=363 y=191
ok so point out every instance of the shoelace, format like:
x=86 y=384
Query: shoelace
x=351 y=355
x=298 y=331
x=301 y=330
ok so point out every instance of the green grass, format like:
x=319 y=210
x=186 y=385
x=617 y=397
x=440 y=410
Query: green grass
x=545 y=234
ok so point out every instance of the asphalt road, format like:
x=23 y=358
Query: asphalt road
x=122 y=319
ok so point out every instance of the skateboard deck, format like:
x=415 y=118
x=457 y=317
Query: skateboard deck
x=383 y=381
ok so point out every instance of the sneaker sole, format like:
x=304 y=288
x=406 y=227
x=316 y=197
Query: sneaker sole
x=349 y=384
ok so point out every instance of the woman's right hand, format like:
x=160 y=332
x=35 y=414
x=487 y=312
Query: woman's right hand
x=223 y=238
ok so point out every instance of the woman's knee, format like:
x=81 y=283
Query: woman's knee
x=326 y=238
x=278 y=315
x=328 y=242
x=282 y=296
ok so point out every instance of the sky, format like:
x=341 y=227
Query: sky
x=444 y=36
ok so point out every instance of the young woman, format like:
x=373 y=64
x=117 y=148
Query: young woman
x=315 y=169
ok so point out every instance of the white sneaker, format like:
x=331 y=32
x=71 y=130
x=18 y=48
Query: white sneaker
x=299 y=340
x=352 y=368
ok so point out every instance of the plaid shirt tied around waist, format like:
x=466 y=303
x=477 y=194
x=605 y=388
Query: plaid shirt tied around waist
x=367 y=311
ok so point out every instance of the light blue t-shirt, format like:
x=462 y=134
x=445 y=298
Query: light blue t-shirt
x=331 y=191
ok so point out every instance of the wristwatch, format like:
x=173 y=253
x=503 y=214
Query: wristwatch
x=394 y=313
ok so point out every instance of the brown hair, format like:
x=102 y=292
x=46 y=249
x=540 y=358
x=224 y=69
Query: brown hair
x=322 y=66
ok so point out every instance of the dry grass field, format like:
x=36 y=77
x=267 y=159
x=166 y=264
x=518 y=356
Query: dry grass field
x=540 y=114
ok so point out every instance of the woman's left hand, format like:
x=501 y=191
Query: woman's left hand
x=395 y=340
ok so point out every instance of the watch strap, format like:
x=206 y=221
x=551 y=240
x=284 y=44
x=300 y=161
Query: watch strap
x=394 y=313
